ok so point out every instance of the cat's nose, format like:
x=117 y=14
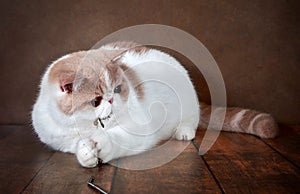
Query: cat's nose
x=110 y=100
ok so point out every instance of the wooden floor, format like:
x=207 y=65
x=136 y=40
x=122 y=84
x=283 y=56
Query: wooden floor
x=236 y=163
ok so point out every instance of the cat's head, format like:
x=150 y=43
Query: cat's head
x=89 y=85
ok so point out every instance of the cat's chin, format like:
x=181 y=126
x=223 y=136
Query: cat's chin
x=107 y=117
x=103 y=121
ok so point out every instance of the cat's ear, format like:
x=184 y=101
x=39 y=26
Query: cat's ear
x=70 y=81
x=66 y=80
x=64 y=71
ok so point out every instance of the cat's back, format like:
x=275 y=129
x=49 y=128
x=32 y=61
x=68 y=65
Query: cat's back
x=135 y=55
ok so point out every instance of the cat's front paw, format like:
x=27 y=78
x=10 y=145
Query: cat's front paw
x=87 y=154
x=104 y=147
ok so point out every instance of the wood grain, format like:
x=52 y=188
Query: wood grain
x=287 y=144
x=185 y=174
x=22 y=156
x=236 y=163
x=244 y=164
x=63 y=174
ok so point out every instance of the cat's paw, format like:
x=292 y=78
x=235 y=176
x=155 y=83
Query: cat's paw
x=185 y=133
x=86 y=153
x=104 y=147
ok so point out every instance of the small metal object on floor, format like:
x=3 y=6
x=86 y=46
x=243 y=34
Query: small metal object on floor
x=96 y=187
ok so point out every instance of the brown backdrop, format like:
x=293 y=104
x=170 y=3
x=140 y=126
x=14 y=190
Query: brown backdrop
x=255 y=44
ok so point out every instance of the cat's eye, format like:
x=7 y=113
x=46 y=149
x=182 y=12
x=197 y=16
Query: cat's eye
x=118 y=89
x=96 y=101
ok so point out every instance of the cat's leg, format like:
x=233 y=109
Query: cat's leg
x=185 y=132
x=87 y=153
x=105 y=149
x=116 y=143
x=187 y=129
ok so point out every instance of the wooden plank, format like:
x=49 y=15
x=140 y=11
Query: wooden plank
x=22 y=156
x=185 y=174
x=240 y=163
x=244 y=164
x=63 y=174
x=287 y=143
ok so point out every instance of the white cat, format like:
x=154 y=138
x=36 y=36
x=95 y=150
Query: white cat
x=122 y=99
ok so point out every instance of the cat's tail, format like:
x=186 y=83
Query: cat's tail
x=241 y=120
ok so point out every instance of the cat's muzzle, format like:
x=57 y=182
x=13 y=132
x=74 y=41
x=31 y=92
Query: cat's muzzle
x=100 y=120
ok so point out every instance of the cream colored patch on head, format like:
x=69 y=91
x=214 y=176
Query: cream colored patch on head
x=66 y=65
x=79 y=70
x=91 y=74
x=134 y=80
x=115 y=77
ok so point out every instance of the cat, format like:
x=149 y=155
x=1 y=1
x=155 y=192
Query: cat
x=100 y=104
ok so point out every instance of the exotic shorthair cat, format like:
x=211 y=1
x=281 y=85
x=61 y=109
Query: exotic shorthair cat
x=123 y=99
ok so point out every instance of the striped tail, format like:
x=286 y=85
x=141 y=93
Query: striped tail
x=241 y=120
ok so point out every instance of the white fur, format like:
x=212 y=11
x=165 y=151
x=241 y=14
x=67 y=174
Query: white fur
x=169 y=109
x=251 y=127
x=234 y=123
x=106 y=78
